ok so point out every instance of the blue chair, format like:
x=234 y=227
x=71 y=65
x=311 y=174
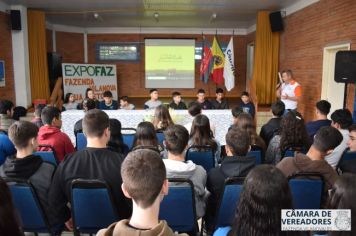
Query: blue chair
x=160 y=137
x=81 y=141
x=33 y=217
x=290 y=152
x=307 y=190
x=178 y=207
x=223 y=231
x=201 y=155
x=257 y=155
x=49 y=156
x=92 y=206
x=128 y=136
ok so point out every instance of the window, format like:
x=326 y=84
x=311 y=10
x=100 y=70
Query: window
x=117 y=52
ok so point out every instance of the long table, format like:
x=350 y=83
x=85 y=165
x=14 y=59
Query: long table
x=221 y=119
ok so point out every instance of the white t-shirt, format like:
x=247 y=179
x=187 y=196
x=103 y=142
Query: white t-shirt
x=292 y=89
x=334 y=157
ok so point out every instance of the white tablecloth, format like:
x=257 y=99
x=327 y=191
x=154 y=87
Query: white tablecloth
x=221 y=119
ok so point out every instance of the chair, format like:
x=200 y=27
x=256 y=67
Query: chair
x=257 y=155
x=290 y=152
x=307 y=190
x=201 y=155
x=81 y=141
x=49 y=156
x=178 y=207
x=92 y=206
x=128 y=135
x=33 y=217
x=160 y=137
x=222 y=231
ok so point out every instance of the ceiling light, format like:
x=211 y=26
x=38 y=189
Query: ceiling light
x=96 y=15
x=156 y=16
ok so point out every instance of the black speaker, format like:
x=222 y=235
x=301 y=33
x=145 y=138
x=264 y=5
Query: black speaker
x=276 y=21
x=15 y=16
x=54 y=68
x=345 y=67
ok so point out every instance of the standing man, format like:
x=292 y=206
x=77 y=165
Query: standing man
x=290 y=91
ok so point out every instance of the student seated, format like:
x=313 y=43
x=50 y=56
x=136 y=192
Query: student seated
x=273 y=126
x=195 y=109
x=162 y=119
x=88 y=104
x=153 y=102
x=95 y=161
x=219 y=102
x=145 y=136
x=108 y=103
x=144 y=181
x=176 y=143
x=69 y=102
x=116 y=142
x=89 y=94
x=235 y=164
x=321 y=111
x=6 y=112
x=246 y=104
x=177 y=103
x=7 y=148
x=125 y=105
x=19 y=112
x=51 y=134
x=236 y=112
x=37 y=120
x=204 y=103
x=349 y=166
x=24 y=165
x=325 y=141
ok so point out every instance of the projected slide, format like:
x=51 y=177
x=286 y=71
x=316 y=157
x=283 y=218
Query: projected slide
x=169 y=63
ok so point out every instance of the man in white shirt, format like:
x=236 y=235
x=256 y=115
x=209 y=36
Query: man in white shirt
x=290 y=91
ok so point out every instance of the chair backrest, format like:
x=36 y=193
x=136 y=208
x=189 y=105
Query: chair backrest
x=28 y=206
x=128 y=136
x=92 y=206
x=178 y=207
x=307 y=190
x=229 y=201
x=48 y=155
x=290 y=151
x=201 y=155
x=257 y=155
x=160 y=137
x=222 y=231
x=81 y=141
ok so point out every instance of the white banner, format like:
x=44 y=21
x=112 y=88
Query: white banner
x=99 y=77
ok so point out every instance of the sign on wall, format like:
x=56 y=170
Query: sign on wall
x=2 y=73
x=99 y=77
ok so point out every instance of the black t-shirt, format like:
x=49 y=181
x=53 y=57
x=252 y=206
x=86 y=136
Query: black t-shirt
x=180 y=106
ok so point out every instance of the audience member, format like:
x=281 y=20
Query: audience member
x=322 y=110
x=124 y=103
x=236 y=111
x=89 y=94
x=6 y=112
x=177 y=103
x=50 y=133
x=292 y=135
x=108 y=103
x=37 y=120
x=144 y=181
x=246 y=104
x=6 y=147
x=204 y=103
x=88 y=104
x=116 y=142
x=153 y=102
x=19 y=112
x=95 y=161
x=69 y=102
x=176 y=141
x=235 y=164
x=219 y=102
x=162 y=119
x=195 y=109
x=290 y=91
x=146 y=136
x=326 y=139
x=24 y=165
x=272 y=127
x=349 y=166
x=342 y=120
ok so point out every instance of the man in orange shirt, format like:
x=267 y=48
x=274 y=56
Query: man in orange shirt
x=290 y=91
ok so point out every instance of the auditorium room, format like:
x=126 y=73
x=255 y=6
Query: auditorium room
x=178 y=117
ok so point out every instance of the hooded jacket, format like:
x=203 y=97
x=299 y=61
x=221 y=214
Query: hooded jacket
x=53 y=136
x=193 y=172
x=123 y=228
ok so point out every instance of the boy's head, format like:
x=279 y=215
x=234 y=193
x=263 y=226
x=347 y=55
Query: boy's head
x=323 y=107
x=88 y=104
x=352 y=141
x=107 y=97
x=96 y=124
x=219 y=94
x=51 y=116
x=194 y=109
x=201 y=95
x=341 y=119
x=287 y=75
x=236 y=111
x=278 y=108
x=124 y=101
x=23 y=134
x=237 y=142
x=38 y=110
x=6 y=108
x=154 y=94
x=245 y=97
x=144 y=177
x=326 y=139
x=176 y=139
x=176 y=97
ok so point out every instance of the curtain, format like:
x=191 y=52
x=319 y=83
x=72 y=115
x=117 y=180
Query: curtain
x=266 y=58
x=38 y=54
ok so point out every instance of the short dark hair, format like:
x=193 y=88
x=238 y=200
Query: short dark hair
x=21 y=132
x=107 y=94
x=5 y=105
x=343 y=117
x=219 y=90
x=176 y=139
x=288 y=72
x=124 y=98
x=323 y=106
x=238 y=141
x=201 y=91
x=175 y=93
x=143 y=174
x=38 y=109
x=236 y=111
x=327 y=138
x=48 y=114
x=352 y=128
x=153 y=90
x=89 y=104
x=95 y=122
x=245 y=93
x=278 y=108
x=194 y=108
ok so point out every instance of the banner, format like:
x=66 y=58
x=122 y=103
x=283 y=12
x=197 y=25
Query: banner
x=229 y=69
x=99 y=77
x=219 y=61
